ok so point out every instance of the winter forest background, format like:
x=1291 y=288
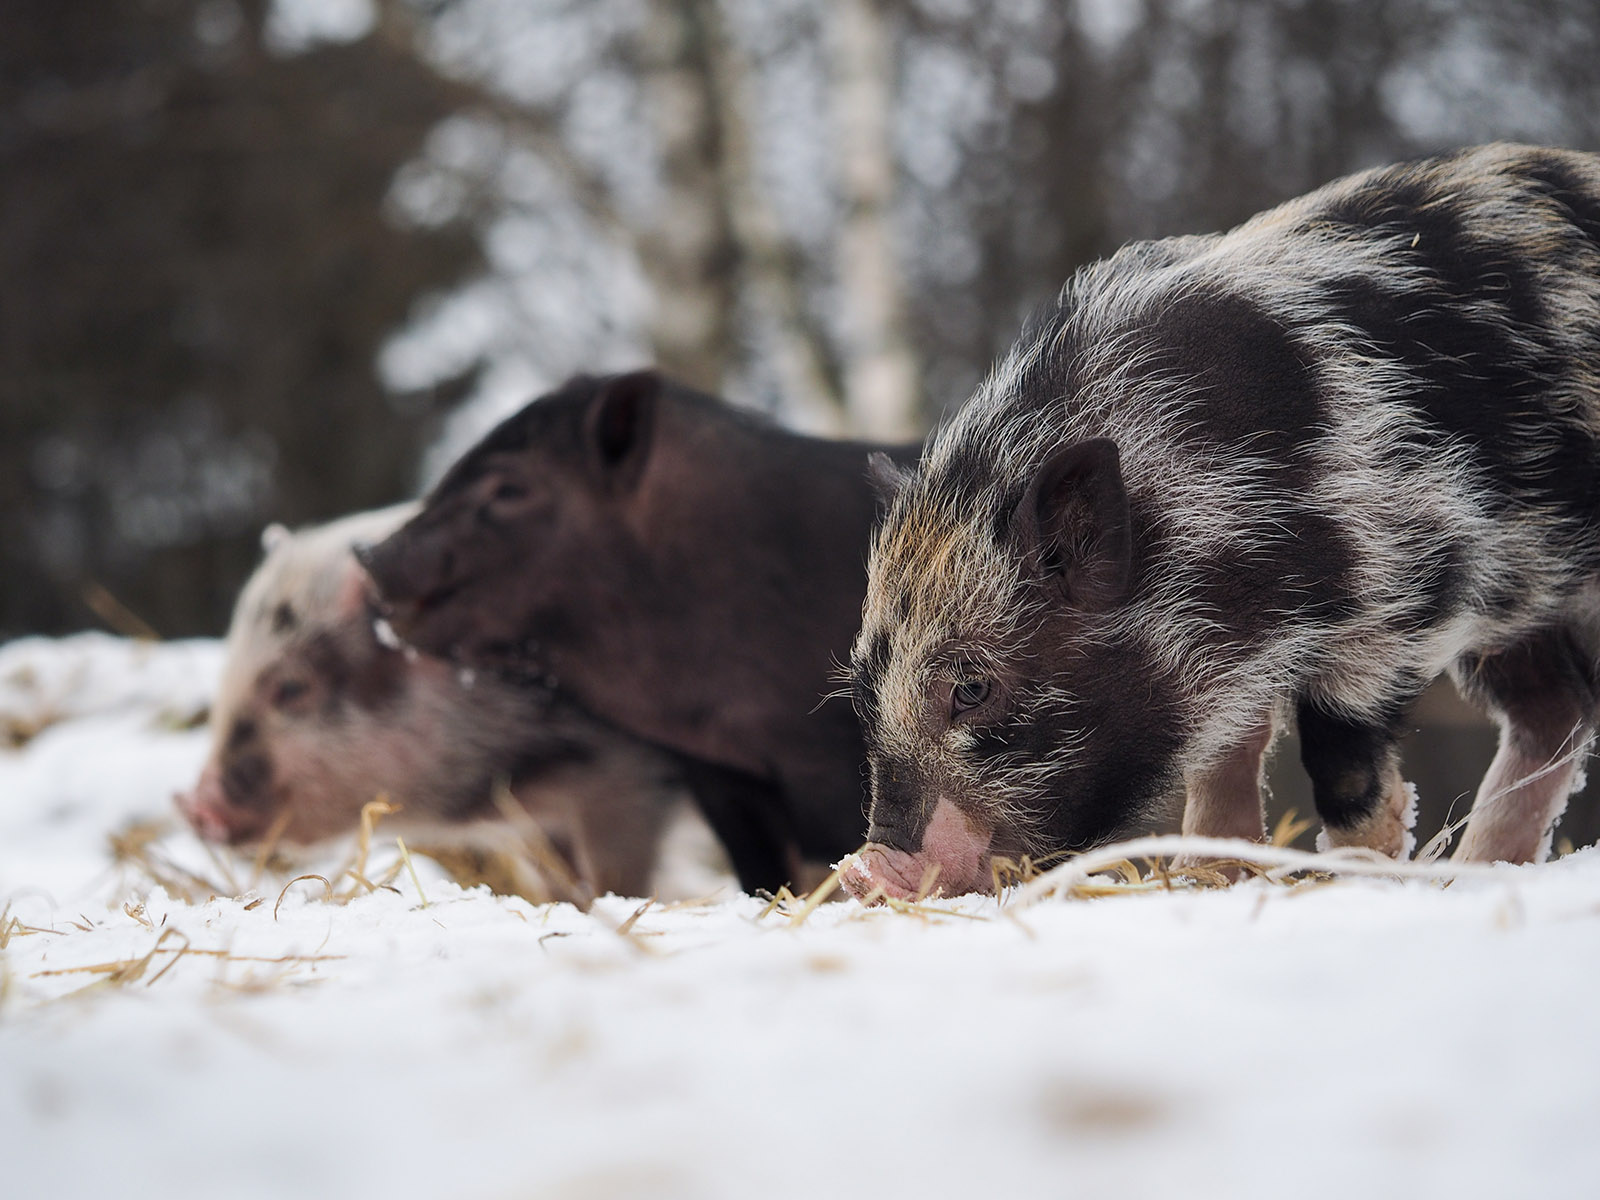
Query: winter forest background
x=277 y=260
x=257 y=258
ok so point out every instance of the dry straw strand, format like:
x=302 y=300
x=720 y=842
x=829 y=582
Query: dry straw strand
x=327 y=891
x=546 y=859
x=371 y=811
x=1274 y=863
x=130 y=970
x=406 y=857
x=628 y=925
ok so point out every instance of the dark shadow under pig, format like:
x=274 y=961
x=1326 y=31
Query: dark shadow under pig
x=686 y=570
x=315 y=716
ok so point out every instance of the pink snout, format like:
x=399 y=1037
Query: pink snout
x=206 y=808
x=952 y=842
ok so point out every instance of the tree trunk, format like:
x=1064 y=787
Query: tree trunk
x=689 y=254
x=880 y=370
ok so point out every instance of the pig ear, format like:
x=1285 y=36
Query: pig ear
x=886 y=476
x=1075 y=526
x=619 y=423
x=273 y=536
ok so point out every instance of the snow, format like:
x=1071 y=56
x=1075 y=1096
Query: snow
x=1366 y=1037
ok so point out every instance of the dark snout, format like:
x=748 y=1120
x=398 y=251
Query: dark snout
x=895 y=836
x=919 y=841
x=898 y=813
x=408 y=576
x=227 y=808
x=394 y=570
x=428 y=586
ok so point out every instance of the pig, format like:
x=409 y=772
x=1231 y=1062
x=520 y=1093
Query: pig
x=316 y=715
x=1294 y=471
x=687 y=571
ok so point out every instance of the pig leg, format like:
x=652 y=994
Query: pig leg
x=750 y=817
x=620 y=806
x=1355 y=780
x=1223 y=799
x=1542 y=694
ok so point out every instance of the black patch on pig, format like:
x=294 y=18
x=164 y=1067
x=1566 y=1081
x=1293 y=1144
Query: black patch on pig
x=1544 y=683
x=1439 y=583
x=1134 y=717
x=549 y=756
x=371 y=680
x=247 y=779
x=1568 y=189
x=1473 y=336
x=1243 y=383
x=242 y=733
x=1345 y=758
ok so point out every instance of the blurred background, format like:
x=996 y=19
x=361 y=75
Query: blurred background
x=280 y=259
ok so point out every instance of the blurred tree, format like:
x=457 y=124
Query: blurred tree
x=196 y=274
x=839 y=210
x=881 y=384
x=690 y=248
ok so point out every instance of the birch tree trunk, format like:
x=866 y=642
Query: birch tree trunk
x=769 y=262
x=690 y=252
x=880 y=370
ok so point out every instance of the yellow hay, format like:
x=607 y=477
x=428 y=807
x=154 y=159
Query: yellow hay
x=545 y=858
x=1289 y=828
x=401 y=842
x=628 y=925
x=371 y=811
x=122 y=972
x=327 y=893
x=119 y=618
x=1275 y=864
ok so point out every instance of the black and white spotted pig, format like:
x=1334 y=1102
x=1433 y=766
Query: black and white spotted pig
x=315 y=716
x=1297 y=469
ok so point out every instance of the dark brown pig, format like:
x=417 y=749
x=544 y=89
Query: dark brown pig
x=688 y=571
x=316 y=716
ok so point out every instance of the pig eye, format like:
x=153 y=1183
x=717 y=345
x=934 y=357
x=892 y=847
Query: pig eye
x=508 y=492
x=288 y=691
x=967 y=694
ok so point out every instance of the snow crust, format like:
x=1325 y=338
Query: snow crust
x=1368 y=1038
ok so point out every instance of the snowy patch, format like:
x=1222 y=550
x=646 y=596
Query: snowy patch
x=422 y=1039
x=387 y=637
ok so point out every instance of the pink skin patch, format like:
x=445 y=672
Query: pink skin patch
x=960 y=849
x=204 y=807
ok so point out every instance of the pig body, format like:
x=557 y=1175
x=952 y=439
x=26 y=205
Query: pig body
x=1293 y=471
x=689 y=572
x=315 y=716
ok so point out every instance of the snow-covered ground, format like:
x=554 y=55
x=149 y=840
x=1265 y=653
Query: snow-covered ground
x=1359 y=1038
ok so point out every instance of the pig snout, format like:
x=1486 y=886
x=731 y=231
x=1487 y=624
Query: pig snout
x=951 y=842
x=409 y=571
x=373 y=562
x=385 y=583
x=404 y=594
x=206 y=808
